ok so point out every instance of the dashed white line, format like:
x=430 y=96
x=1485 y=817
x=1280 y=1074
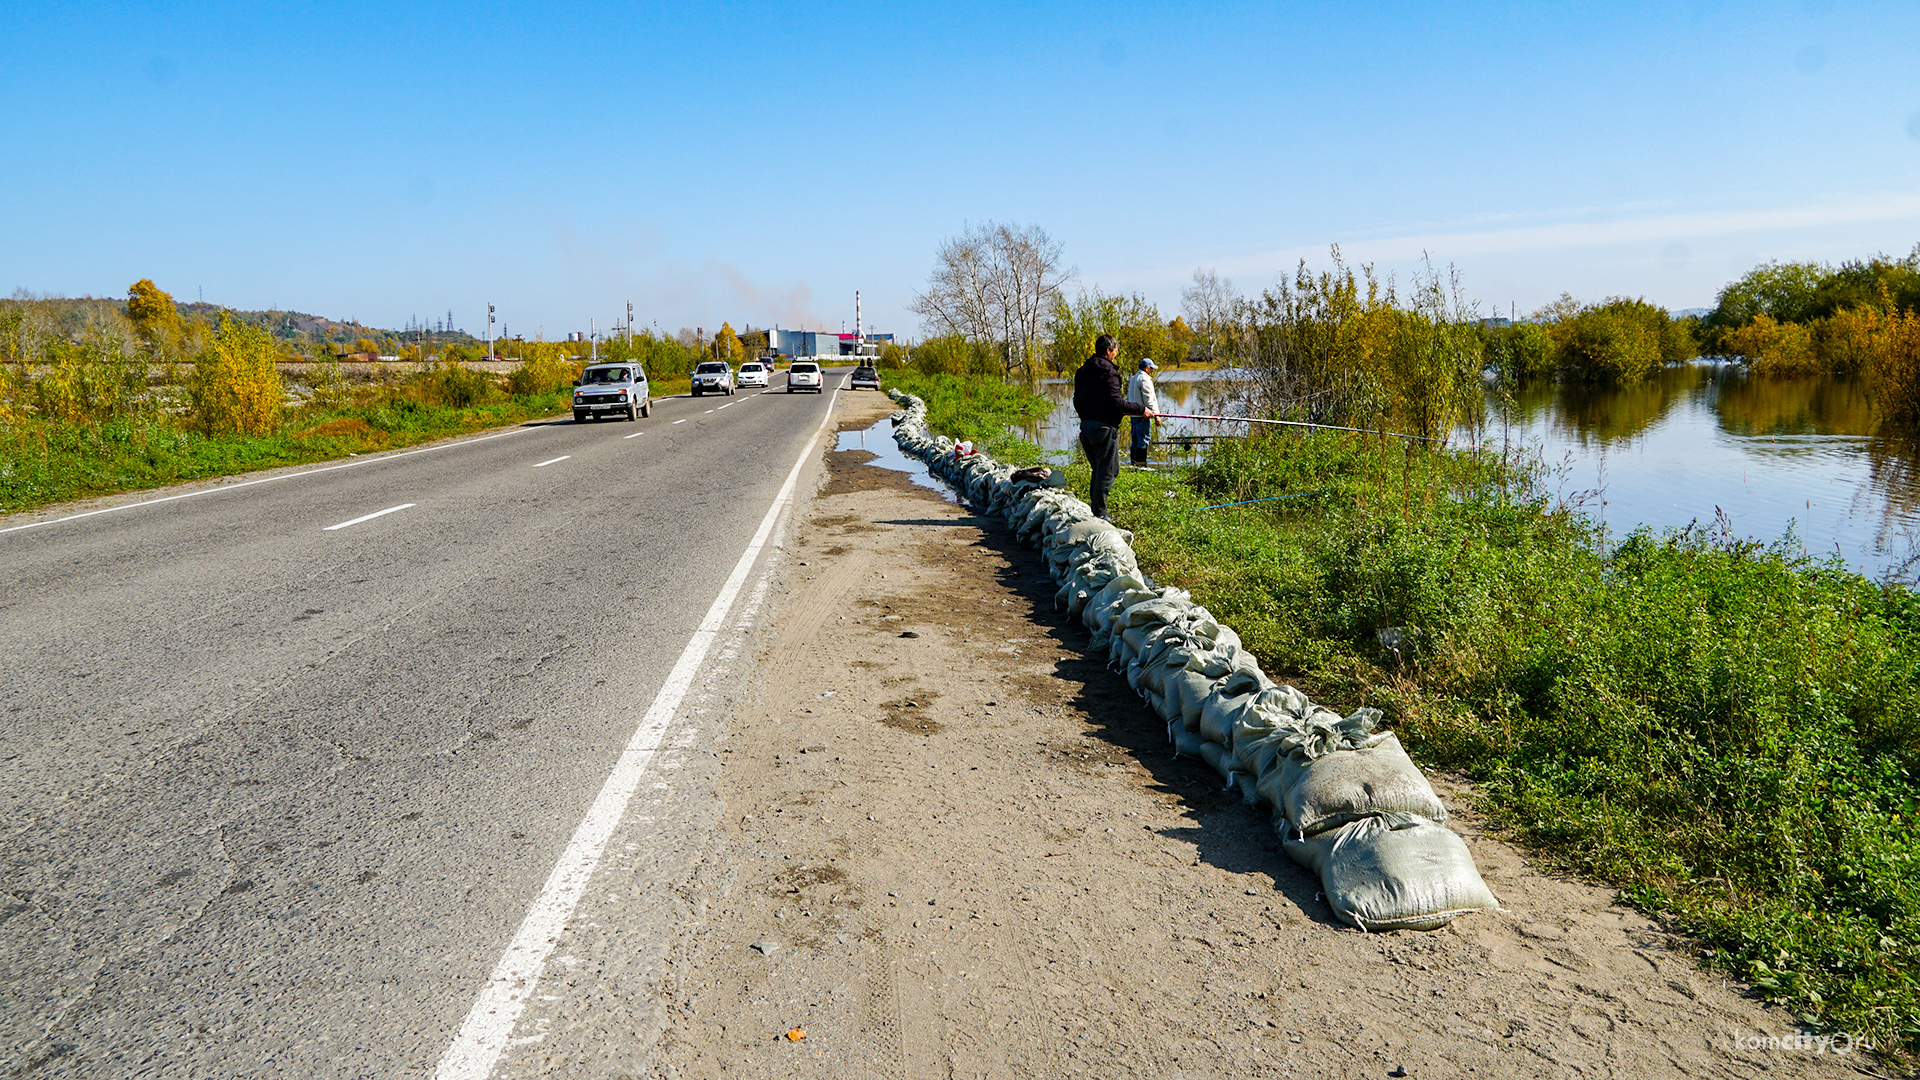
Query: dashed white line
x=728 y=405
x=550 y=461
x=367 y=517
x=683 y=420
x=488 y=1027
x=635 y=435
x=264 y=480
x=709 y=410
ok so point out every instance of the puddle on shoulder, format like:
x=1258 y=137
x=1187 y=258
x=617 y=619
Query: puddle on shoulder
x=878 y=441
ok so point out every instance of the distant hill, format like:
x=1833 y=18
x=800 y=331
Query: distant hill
x=1690 y=313
x=72 y=314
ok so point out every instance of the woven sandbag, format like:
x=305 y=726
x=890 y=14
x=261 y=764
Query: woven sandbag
x=1346 y=785
x=1186 y=693
x=1185 y=743
x=1393 y=872
x=1217 y=714
x=1113 y=597
x=1218 y=757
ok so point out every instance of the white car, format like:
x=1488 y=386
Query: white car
x=610 y=390
x=752 y=373
x=712 y=377
x=805 y=375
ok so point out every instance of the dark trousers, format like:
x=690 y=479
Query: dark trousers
x=1142 y=435
x=1102 y=444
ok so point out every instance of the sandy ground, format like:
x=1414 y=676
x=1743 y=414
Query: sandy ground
x=956 y=846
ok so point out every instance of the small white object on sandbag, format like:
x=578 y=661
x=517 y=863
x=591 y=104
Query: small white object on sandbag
x=1393 y=872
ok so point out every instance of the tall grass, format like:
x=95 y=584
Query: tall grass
x=982 y=410
x=47 y=458
x=1343 y=348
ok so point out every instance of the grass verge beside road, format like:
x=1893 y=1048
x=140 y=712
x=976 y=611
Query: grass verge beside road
x=1727 y=732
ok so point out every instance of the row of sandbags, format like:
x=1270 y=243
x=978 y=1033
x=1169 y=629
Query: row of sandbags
x=1347 y=801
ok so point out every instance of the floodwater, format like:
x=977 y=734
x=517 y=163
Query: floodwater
x=1689 y=445
x=878 y=441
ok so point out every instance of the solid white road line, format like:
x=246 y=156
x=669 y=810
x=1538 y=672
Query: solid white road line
x=635 y=435
x=263 y=480
x=683 y=420
x=489 y=1024
x=550 y=461
x=367 y=517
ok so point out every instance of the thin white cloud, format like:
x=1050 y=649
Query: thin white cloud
x=1453 y=245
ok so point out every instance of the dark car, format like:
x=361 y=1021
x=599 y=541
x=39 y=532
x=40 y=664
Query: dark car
x=864 y=378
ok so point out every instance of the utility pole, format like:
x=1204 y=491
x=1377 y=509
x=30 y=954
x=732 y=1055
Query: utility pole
x=489 y=331
x=593 y=339
x=629 y=322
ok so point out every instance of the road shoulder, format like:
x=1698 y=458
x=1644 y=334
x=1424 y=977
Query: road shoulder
x=953 y=844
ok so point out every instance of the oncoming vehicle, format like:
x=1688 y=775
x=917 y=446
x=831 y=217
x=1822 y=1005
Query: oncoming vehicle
x=804 y=375
x=865 y=377
x=611 y=390
x=752 y=373
x=712 y=376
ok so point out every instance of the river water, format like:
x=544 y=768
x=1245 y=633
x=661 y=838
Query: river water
x=1690 y=444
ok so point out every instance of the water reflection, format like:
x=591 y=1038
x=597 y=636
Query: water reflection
x=1775 y=455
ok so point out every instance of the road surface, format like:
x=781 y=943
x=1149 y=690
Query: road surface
x=289 y=765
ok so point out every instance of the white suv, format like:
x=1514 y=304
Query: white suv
x=804 y=375
x=712 y=376
x=610 y=390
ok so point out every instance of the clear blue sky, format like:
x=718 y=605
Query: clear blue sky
x=758 y=163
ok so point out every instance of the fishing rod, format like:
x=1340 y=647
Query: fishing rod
x=1291 y=423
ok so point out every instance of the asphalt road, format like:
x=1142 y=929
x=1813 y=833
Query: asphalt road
x=278 y=790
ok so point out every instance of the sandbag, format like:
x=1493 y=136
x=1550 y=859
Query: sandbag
x=1393 y=872
x=1320 y=793
x=1186 y=693
x=1185 y=743
x=1217 y=756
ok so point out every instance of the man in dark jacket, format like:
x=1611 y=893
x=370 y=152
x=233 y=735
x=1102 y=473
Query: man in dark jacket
x=1100 y=401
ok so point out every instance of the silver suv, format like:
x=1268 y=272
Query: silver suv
x=804 y=375
x=712 y=376
x=612 y=390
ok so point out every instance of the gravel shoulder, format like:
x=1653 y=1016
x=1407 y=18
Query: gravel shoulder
x=954 y=845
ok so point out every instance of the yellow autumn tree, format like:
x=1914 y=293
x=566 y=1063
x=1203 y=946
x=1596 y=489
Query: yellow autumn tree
x=153 y=315
x=726 y=345
x=235 y=387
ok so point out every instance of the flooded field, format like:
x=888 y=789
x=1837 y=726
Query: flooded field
x=1690 y=444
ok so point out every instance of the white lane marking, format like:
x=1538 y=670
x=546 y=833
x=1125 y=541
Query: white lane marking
x=683 y=420
x=264 y=480
x=489 y=1024
x=728 y=405
x=550 y=461
x=367 y=517
x=709 y=410
x=635 y=435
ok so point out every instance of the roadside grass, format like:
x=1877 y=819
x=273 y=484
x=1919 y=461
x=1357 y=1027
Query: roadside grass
x=1727 y=732
x=45 y=461
x=981 y=410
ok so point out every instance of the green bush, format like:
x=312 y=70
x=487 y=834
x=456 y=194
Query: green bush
x=1520 y=352
x=1619 y=341
x=454 y=384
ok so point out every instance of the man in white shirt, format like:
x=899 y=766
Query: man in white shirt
x=1140 y=391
